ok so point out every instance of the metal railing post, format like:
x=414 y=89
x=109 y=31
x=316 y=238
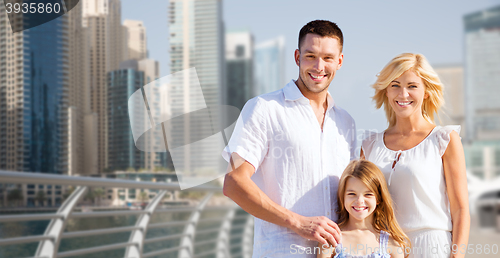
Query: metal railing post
x=247 y=241
x=137 y=236
x=187 y=241
x=48 y=247
x=223 y=241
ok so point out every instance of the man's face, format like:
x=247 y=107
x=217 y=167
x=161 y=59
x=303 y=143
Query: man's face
x=318 y=59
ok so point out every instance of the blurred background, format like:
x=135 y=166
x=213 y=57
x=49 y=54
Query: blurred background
x=64 y=85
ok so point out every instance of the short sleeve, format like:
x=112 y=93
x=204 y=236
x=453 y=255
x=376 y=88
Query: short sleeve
x=347 y=125
x=368 y=141
x=249 y=138
x=354 y=142
x=443 y=137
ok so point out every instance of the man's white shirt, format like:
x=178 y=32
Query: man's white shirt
x=297 y=164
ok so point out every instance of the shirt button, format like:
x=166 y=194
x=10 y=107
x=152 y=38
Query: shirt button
x=326 y=187
x=328 y=213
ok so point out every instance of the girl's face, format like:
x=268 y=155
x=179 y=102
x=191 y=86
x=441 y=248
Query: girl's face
x=359 y=201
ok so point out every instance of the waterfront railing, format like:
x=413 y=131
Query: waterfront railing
x=228 y=232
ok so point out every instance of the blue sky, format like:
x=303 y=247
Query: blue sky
x=374 y=32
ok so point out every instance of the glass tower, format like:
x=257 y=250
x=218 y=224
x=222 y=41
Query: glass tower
x=196 y=40
x=122 y=151
x=269 y=66
x=482 y=74
x=33 y=95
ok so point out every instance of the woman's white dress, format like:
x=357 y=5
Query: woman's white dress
x=416 y=181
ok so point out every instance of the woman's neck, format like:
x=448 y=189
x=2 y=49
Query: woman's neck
x=405 y=126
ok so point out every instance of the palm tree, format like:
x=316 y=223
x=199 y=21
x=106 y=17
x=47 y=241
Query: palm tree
x=98 y=194
x=143 y=197
x=40 y=197
x=15 y=195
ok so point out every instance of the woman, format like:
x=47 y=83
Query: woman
x=424 y=164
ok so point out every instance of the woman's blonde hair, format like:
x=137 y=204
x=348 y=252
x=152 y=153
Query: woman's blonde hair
x=383 y=216
x=418 y=64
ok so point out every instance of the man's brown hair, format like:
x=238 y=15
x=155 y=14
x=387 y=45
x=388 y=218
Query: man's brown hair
x=322 y=28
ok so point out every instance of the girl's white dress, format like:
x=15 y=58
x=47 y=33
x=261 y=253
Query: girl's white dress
x=415 y=178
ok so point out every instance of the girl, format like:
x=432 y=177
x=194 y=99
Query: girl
x=366 y=217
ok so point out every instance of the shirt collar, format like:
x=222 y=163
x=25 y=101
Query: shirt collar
x=292 y=93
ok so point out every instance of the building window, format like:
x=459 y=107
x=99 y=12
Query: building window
x=477 y=158
x=240 y=51
x=497 y=157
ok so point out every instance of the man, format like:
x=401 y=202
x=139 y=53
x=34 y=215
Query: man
x=289 y=149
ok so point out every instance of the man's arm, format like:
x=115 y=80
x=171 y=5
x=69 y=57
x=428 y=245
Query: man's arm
x=239 y=186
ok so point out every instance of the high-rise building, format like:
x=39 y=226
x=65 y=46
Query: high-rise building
x=135 y=38
x=82 y=142
x=196 y=40
x=453 y=112
x=122 y=83
x=239 y=68
x=158 y=104
x=102 y=19
x=482 y=74
x=269 y=66
x=123 y=152
x=33 y=88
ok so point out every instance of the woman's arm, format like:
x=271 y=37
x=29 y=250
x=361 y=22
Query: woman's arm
x=456 y=185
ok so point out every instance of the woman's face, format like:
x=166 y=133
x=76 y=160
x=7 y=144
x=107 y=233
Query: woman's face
x=406 y=95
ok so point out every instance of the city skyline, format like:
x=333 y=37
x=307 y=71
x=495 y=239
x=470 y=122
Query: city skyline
x=67 y=107
x=373 y=35
x=134 y=34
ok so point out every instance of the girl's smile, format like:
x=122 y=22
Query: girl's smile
x=359 y=201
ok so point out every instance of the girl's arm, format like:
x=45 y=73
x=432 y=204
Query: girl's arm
x=325 y=252
x=456 y=185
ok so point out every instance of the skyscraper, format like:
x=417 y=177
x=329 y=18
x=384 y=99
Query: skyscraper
x=239 y=68
x=33 y=88
x=482 y=74
x=452 y=76
x=82 y=142
x=122 y=83
x=102 y=18
x=135 y=38
x=196 y=40
x=269 y=66
x=158 y=104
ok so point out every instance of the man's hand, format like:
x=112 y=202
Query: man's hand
x=239 y=186
x=320 y=229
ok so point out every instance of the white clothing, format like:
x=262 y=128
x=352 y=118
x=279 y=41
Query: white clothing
x=297 y=165
x=417 y=184
x=430 y=243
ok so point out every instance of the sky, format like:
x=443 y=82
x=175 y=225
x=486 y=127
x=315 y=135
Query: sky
x=374 y=31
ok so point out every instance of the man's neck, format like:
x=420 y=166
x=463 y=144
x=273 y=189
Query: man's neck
x=316 y=99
